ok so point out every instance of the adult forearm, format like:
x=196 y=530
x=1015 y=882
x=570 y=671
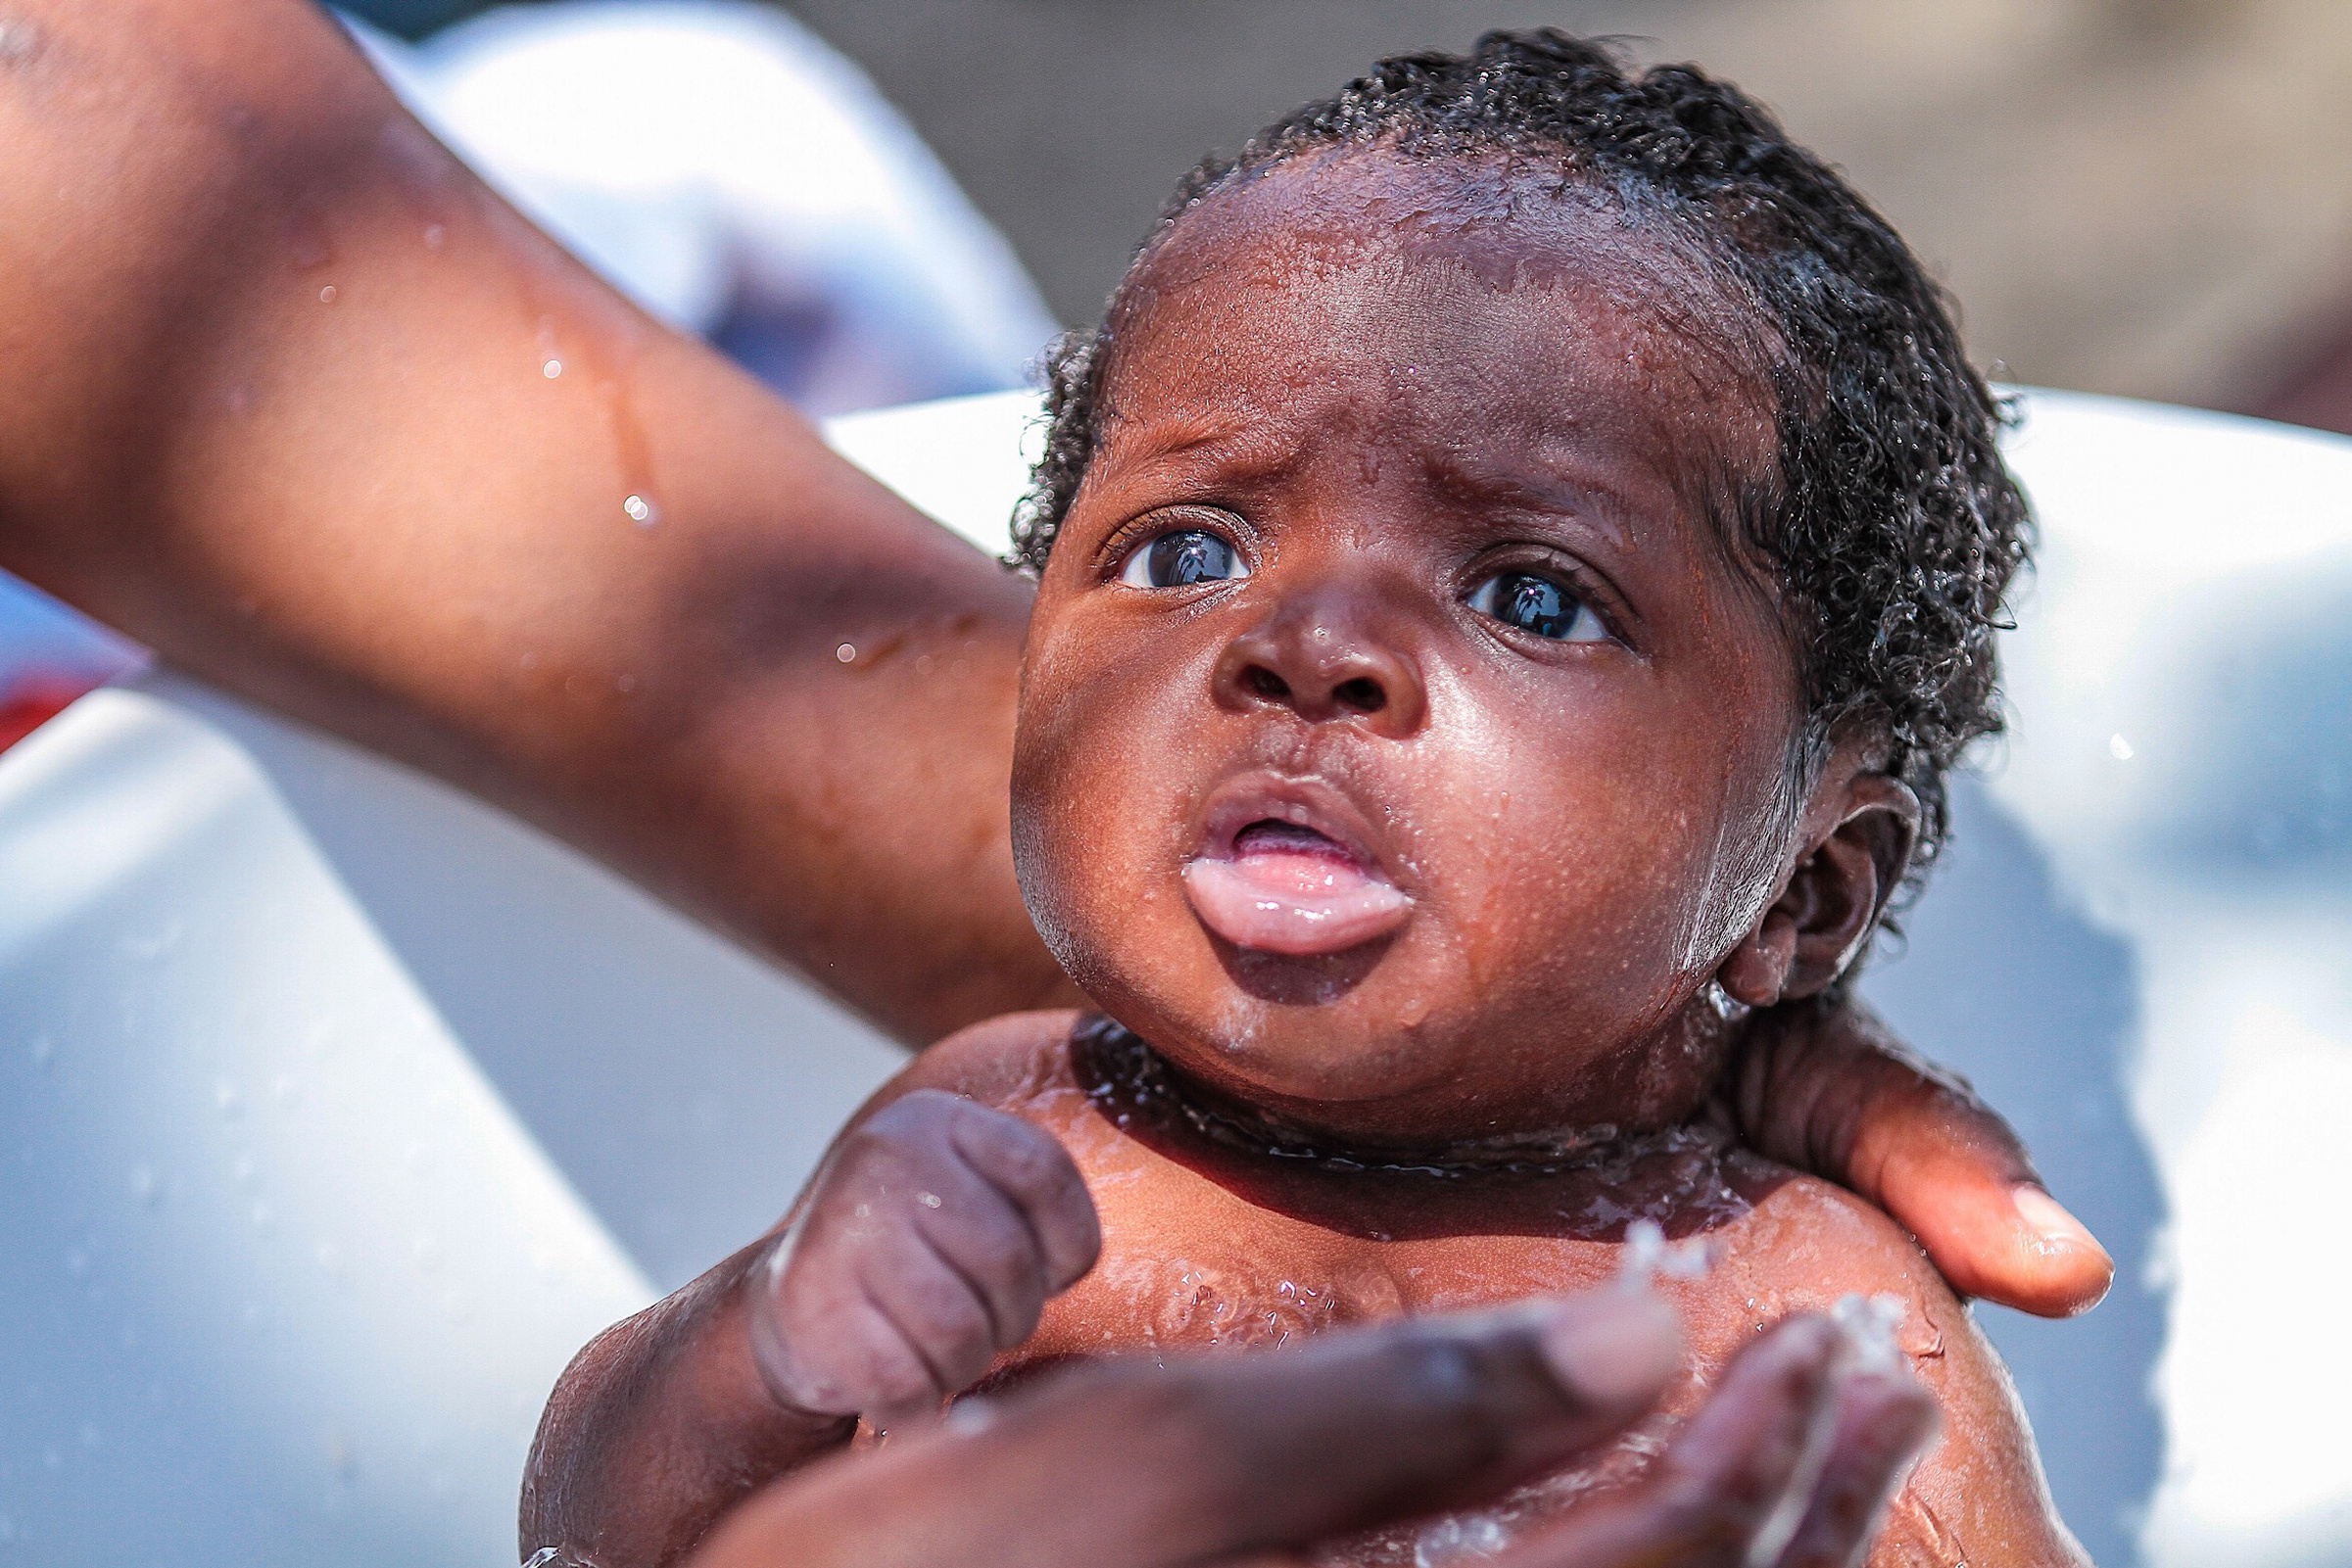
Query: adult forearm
x=296 y=400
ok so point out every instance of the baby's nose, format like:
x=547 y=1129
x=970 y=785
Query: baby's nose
x=1325 y=662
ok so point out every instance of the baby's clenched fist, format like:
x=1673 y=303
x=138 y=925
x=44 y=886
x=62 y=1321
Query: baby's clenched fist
x=931 y=1239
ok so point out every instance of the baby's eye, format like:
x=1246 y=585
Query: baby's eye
x=1540 y=605
x=1181 y=559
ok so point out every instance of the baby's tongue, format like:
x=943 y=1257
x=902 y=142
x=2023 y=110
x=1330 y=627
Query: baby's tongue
x=1289 y=889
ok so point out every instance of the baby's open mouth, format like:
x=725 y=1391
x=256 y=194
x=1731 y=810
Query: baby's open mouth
x=1280 y=884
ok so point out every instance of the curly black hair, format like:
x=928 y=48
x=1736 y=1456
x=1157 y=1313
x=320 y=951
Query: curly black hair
x=1891 y=524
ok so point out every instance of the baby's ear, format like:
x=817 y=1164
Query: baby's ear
x=1834 y=896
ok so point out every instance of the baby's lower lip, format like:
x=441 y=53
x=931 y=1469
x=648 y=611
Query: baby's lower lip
x=1286 y=892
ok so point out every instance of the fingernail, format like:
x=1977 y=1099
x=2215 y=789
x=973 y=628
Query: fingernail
x=2051 y=1224
x=1617 y=1349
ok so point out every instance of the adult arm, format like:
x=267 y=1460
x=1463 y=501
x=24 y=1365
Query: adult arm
x=292 y=398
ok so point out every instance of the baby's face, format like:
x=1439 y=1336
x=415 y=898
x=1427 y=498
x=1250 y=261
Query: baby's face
x=1401 y=749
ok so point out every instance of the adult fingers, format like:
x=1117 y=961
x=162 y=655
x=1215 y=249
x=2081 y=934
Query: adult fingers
x=1829 y=1089
x=1125 y=1464
x=1036 y=1173
x=1722 y=1479
x=1885 y=1421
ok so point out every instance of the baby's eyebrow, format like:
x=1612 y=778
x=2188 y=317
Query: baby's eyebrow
x=1589 y=500
x=1181 y=444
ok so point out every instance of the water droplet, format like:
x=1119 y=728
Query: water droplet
x=435 y=236
x=326 y=296
x=2119 y=748
x=529 y=661
x=847 y=654
x=552 y=369
x=626 y=683
x=640 y=511
x=1458 y=1540
x=929 y=1200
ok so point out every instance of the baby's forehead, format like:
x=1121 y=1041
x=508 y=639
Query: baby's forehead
x=1463 y=299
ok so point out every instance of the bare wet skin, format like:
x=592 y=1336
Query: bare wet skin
x=1407 y=768
x=1406 y=754
x=1210 y=1244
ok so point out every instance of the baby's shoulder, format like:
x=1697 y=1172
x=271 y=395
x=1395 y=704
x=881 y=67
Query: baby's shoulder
x=1016 y=1062
x=1805 y=1241
x=1980 y=1496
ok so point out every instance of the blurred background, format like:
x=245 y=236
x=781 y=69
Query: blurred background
x=2144 y=197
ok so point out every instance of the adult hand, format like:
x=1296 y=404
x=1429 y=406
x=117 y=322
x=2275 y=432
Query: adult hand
x=1831 y=1090
x=1242 y=1458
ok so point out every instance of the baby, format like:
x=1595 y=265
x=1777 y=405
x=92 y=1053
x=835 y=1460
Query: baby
x=1513 y=568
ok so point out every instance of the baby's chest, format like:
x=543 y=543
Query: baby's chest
x=1186 y=1265
x=1191 y=1263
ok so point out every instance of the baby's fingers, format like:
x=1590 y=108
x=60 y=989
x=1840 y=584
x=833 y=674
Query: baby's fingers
x=942 y=1318
x=843 y=1355
x=1039 y=1178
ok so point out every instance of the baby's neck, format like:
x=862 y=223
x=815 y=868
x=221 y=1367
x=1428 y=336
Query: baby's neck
x=1133 y=1084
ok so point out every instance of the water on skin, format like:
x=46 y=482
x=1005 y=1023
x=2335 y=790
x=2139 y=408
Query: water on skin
x=20 y=42
x=1179 y=1273
x=576 y=336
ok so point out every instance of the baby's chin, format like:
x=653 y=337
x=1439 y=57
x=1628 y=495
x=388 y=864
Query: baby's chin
x=1287 y=1029
x=1353 y=1069
x=1375 y=1062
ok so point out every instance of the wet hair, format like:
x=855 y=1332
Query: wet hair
x=1891 y=524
